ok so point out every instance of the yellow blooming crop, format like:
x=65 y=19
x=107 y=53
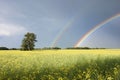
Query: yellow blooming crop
x=96 y=64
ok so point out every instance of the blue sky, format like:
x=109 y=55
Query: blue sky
x=48 y=18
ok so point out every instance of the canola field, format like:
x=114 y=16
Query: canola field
x=95 y=64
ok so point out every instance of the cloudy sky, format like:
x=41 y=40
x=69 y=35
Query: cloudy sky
x=60 y=22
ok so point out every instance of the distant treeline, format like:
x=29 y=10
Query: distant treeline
x=83 y=48
x=78 y=48
x=58 y=48
x=5 y=48
x=50 y=48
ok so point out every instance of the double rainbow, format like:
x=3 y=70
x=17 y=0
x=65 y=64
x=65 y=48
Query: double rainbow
x=86 y=35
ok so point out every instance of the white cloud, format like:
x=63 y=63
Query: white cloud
x=11 y=30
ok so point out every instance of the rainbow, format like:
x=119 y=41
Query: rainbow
x=65 y=28
x=86 y=35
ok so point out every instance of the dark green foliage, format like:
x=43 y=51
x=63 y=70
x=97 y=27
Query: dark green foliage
x=78 y=48
x=4 y=48
x=56 y=48
x=14 y=49
x=28 y=42
x=83 y=48
x=51 y=48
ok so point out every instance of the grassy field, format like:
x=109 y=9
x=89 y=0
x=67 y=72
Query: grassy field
x=60 y=65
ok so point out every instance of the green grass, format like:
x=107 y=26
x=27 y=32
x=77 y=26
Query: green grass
x=60 y=65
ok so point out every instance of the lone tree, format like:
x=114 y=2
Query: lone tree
x=28 y=42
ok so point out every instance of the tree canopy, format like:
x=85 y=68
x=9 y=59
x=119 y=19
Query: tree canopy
x=28 y=43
